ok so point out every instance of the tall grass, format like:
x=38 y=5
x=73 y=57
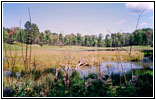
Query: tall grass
x=48 y=59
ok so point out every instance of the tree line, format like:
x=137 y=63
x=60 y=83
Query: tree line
x=31 y=35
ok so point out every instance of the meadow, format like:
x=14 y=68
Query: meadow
x=55 y=56
x=47 y=75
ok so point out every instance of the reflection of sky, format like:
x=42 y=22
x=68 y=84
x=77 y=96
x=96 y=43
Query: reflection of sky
x=114 y=68
x=9 y=73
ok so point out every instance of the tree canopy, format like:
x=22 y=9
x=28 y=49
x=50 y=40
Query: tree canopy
x=31 y=34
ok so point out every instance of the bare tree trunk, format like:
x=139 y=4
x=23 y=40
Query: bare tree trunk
x=30 y=58
x=130 y=51
x=11 y=57
x=121 y=65
x=66 y=78
x=56 y=75
x=119 y=58
x=31 y=40
x=99 y=64
x=26 y=62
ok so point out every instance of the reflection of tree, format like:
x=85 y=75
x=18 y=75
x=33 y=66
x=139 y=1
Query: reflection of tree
x=144 y=65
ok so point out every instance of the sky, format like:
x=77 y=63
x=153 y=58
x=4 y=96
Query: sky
x=84 y=18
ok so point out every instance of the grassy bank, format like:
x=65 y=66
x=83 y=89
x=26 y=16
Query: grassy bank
x=18 y=47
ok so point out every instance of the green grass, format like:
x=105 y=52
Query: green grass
x=18 y=47
x=139 y=48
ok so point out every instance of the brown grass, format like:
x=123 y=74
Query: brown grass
x=47 y=58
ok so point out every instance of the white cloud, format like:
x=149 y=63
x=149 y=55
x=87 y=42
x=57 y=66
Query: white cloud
x=144 y=23
x=120 y=22
x=137 y=7
x=151 y=17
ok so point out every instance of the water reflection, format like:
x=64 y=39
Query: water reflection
x=114 y=67
x=9 y=73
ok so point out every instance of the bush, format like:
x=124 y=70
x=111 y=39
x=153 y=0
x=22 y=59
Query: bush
x=94 y=85
x=8 y=92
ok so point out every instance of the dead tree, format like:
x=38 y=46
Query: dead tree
x=120 y=60
x=80 y=63
x=66 y=77
x=31 y=41
x=130 y=50
x=27 y=57
x=56 y=75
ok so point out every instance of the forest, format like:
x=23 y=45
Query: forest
x=138 y=37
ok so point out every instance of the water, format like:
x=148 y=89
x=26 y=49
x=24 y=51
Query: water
x=9 y=73
x=114 y=67
x=5 y=58
x=105 y=68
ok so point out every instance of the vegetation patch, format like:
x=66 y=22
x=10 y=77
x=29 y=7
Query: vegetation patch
x=93 y=85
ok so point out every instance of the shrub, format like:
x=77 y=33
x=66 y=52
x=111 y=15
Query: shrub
x=94 y=85
x=8 y=92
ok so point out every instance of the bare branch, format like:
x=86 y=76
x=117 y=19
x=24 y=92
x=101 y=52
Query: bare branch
x=109 y=31
x=139 y=18
x=29 y=14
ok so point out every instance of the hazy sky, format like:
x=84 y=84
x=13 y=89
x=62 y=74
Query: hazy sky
x=84 y=18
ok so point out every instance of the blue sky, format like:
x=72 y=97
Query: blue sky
x=84 y=18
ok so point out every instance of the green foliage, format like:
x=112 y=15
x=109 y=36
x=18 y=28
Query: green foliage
x=100 y=40
x=128 y=91
x=5 y=35
x=99 y=86
x=141 y=86
x=32 y=35
x=18 y=68
x=136 y=58
x=94 y=85
x=70 y=39
x=108 y=43
x=143 y=36
x=79 y=39
x=148 y=53
x=92 y=76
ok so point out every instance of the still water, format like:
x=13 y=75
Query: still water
x=114 y=67
x=105 y=68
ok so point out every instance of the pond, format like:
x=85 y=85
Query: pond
x=115 y=67
x=105 y=68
